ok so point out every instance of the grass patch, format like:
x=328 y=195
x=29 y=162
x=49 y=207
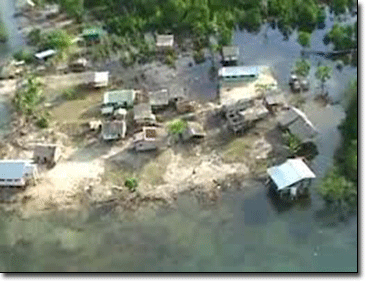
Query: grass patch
x=238 y=150
x=153 y=172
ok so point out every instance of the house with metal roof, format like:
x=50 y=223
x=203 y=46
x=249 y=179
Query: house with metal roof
x=142 y=114
x=159 y=99
x=297 y=123
x=44 y=55
x=238 y=73
x=112 y=130
x=17 y=173
x=165 y=41
x=100 y=79
x=93 y=34
x=119 y=98
x=194 y=131
x=291 y=178
x=230 y=55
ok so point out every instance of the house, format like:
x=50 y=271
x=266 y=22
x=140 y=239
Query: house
x=100 y=79
x=78 y=65
x=44 y=55
x=238 y=73
x=112 y=130
x=46 y=154
x=146 y=140
x=184 y=106
x=143 y=114
x=235 y=114
x=273 y=100
x=120 y=113
x=194 y=131
x=119 y=98
x=230 y=55
x=256 y=112
x=297 y=123
x=17 y=173
x=291 y=178
x=164 y=41
x=159 y=99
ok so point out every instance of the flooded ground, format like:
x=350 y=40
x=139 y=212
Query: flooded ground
x=246 y=230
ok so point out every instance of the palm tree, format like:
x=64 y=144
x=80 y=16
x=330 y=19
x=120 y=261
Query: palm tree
x=323 y=74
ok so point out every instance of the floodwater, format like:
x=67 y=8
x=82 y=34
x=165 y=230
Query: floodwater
x=245 y=231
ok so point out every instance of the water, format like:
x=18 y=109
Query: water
x=244 y=231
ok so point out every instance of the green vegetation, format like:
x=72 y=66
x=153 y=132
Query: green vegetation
x=170 y=57
x=74 y=8
x=133 y=18
x=302 y=67
x=323 y=74
x=177 y=126
x=24 y=55
x=131 y=184
x=339 y=187
x=43 y=121
x=342 y=36
x=27 y=98
x=304 y=38
x=293 y=143
x=199 y=56
x=58 y=39
x=3 y=32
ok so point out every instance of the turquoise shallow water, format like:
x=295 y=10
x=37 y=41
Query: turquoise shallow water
x=244 y=231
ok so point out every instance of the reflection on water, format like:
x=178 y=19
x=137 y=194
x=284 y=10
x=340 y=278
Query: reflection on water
x=224 y=237
x=245 y=231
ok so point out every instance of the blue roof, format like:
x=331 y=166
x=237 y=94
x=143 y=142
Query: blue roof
x=290 y=172
x=239 y=71
x=13 y=169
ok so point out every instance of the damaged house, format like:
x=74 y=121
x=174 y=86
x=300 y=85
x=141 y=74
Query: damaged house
x=298 y=124
x=113 y=130
x=46 y=154
x=143 y=114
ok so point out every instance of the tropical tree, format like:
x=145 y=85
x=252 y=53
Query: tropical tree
x=323 y=74
x=177 y=126
x=28 y=97
x=304 y=38
x=302 y=67
x=58 y=39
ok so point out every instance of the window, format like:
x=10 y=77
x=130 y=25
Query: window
x=2 y=180
x=9 y=180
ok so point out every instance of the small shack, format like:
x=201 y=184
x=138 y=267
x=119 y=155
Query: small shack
x=238 y=73
x=46 y=154
x=119 y=98
x=78 y=65
x=159 y=99
x=44 y=55
x=297 y=123
x=112 y=130
x=17 y=173
x=292 y=178
x=143 y=114
x=145 y=140
x=254 y=113
x=164 y=41
x=274 y=100
x=100 y=79
x=120 y=114
x=93 y=34
x=194 y=131
x=230 y=55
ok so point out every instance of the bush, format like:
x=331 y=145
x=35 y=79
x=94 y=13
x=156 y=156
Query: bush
x=131 y=184
x=24 y=55
x=199 y=56
x=304 y=38
x=42 y=122
x=177 y=126
x=3 y=32
x=70 y=94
